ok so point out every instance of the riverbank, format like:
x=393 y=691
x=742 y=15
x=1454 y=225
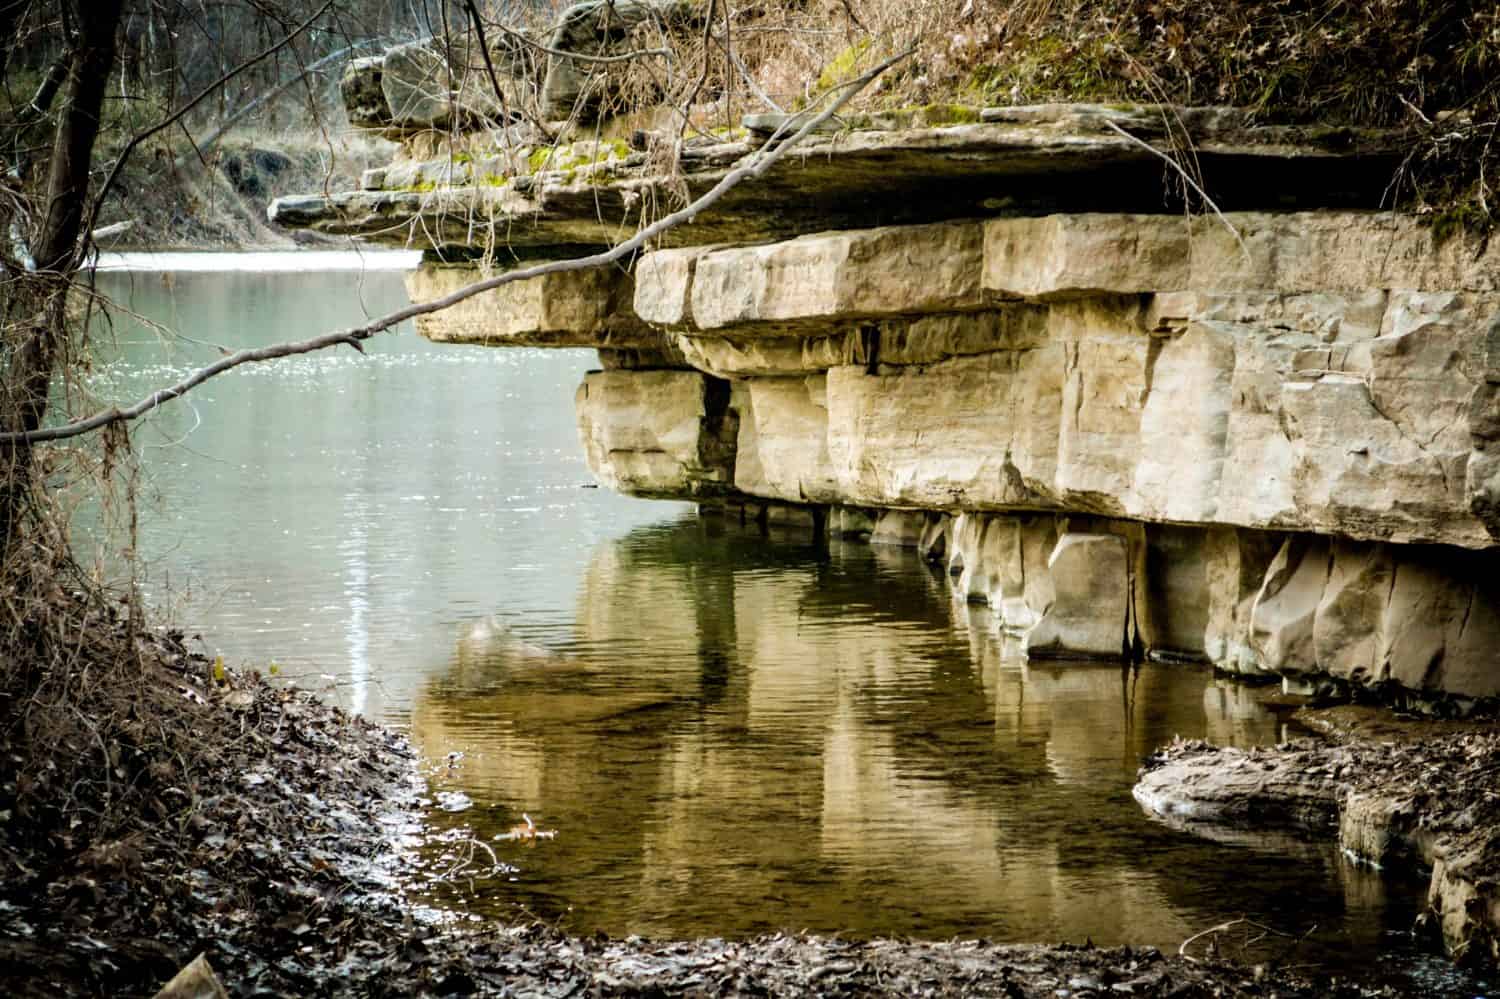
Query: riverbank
x=271 y=832
x=179 y=808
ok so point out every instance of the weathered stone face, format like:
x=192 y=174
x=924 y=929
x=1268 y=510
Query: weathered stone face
x=1068 y=256
x=422 y=91
x=594 y=28
x=782 y=423
x=798 y=284
x=1090 y=574
x=666 y=434
x=364 y=98
x=586 y=308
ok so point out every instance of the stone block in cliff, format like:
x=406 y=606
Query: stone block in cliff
x=1360 y=470
x=812 y=283
x=972 y=432
x=1356 y=588
x=1068 y=256
x=1300 y=420
x=363 y=96
x=422 y=91
x=1283 y=616
x=1235 y=564
x=1090 y=575
x=664 y=286
x=1184 y=426
x=782 y=452
x=660 y=434
x=1256 y=488
x=585 y=308
x=1103 y=394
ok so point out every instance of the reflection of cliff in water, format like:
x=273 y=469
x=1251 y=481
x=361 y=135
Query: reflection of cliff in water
x=744 y=736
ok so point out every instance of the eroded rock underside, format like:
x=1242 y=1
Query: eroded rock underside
x=1267 y=439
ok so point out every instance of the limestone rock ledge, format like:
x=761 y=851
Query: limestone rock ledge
x=1266 y=442
x=1269 y=439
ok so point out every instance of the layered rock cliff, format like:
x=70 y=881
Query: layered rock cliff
x=1268 y=438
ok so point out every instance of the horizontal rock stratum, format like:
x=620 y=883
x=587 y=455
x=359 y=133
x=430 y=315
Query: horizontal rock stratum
x=1268 y=438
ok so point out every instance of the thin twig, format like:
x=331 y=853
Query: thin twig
x=1182 y=950
x=761 y=161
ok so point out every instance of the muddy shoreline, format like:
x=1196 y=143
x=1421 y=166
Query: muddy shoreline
x=282 y=851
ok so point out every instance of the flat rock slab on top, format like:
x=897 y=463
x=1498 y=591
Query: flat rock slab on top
x=1047 y=161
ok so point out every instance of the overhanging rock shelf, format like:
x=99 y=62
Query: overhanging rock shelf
x=1269 y=440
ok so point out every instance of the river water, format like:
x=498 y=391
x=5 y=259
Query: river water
x=729 y=733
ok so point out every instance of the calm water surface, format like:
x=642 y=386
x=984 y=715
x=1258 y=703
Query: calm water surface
x=731 y=734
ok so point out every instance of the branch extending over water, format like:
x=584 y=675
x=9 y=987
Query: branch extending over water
x=354 y=336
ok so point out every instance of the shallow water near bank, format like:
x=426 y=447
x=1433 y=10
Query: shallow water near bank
x=730 y=733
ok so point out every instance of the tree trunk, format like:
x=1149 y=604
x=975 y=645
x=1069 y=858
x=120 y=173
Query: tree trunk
x=39 y=307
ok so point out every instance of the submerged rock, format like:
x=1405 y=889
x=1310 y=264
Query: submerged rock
x=1427 y=801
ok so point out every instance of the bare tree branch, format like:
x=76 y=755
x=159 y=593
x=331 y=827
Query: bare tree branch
x=489 y=64
x=354 y=336
x=202 y=146
x=177 y=115
x=525 y=39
